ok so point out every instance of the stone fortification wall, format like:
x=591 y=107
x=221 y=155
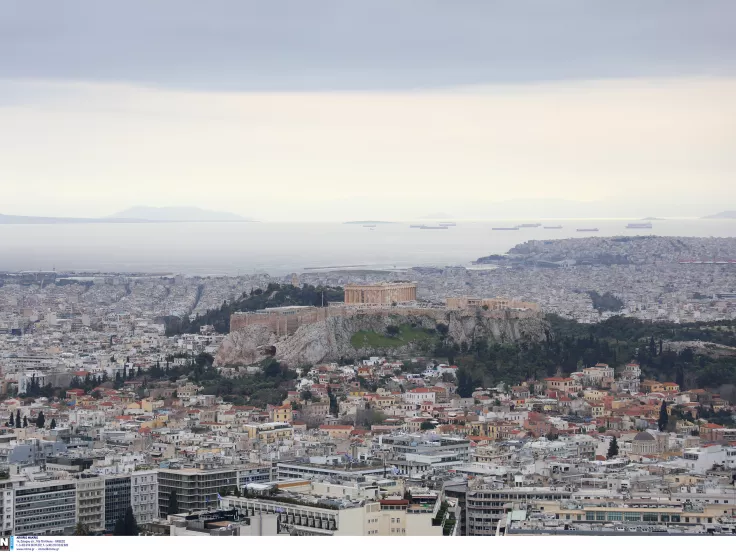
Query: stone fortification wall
x=329 y=339
x=286 y=321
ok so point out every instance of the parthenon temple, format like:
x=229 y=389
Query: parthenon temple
x=380 y=294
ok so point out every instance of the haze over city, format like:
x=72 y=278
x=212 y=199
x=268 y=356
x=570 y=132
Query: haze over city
x=293 y=111
x=397 y=268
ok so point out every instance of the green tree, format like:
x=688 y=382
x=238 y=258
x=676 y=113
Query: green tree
x=173 y=503
x=334 y=405
x=612 y=448
x=272 y=369
x=25 y=421
x=466 y=383
x=17 y=418
x=53 y=423
x=81 y=530
x=41 y=420
x=126 y=525
x=663 y=417
x=426 y=426
x=11 y=423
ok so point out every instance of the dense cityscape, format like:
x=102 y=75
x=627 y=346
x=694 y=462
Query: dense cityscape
x=400 y=269
x=126 y=423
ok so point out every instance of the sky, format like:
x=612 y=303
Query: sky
x=389 y=109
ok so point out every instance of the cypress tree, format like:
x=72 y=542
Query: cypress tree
x=53 y=423
x=17 y=418
x=612 y=448
x=41 y=420
x=126 y=525
x=173 y=503
x=663 y=417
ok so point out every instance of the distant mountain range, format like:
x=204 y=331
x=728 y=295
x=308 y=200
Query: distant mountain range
x=139 y=214
x=177 y=214
x=723 y=215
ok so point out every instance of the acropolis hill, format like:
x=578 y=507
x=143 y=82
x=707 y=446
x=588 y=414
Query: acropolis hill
x=312 y=334
x=379 y=298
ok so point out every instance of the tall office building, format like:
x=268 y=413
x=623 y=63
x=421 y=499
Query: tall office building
x=91 y=503
x=144 y=495
x=117 y=499
x=196 y=489
x=45 y=508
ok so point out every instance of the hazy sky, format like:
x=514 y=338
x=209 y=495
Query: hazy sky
x=327 y=110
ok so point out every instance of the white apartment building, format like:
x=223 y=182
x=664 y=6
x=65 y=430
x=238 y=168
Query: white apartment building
x=701 y=459
x=144 y=495
x=419 y=395
x=306 y=515
x=631 y=371
x=597 y=374
x=7 y=503
x=91 y=503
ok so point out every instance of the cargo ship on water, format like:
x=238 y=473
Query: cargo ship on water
x=507 y=228
x=639 y=225
x=587 y=230
x=552 y=227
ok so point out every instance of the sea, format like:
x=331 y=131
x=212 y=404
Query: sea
x=237 y=248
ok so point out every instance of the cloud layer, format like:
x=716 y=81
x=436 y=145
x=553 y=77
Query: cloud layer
x=359 y=45
x=91 y=149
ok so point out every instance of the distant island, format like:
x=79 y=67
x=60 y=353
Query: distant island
x=369 y=222
x=134 y=215
x=19 y=219
x=722 y=215
x=177 y=214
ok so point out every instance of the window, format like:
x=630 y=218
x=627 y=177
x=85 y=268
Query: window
x=650 y=517
x=631 y=516
x=665 y=518
x=600 y=516
x=675 y=518
x=589 y=516
x=615 y=516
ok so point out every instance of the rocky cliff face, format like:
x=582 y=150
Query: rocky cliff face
x=329 y=340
